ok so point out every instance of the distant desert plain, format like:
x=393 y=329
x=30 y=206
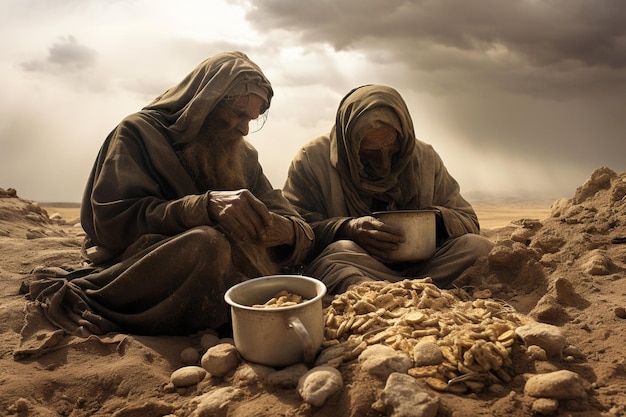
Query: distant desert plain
x=490 y=215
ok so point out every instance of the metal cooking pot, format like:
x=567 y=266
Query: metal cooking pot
x=419 y=228
x=278 y=336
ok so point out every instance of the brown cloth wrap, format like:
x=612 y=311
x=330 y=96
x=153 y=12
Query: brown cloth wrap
x=160 y=266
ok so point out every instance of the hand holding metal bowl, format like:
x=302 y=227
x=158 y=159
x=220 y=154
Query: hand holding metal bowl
x=419 y=227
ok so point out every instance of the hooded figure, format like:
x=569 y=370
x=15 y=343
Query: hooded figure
x=371 y=161
x=177 y=210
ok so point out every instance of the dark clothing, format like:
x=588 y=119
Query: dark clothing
x=159 y=264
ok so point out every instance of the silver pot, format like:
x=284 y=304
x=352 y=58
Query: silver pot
x=419 y=227
x=278 y=336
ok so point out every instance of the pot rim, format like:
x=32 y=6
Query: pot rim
x=321 y=291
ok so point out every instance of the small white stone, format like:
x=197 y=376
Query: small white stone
x=561 y=384
x=187 y=376
x=427 y=353
x=220 y=359
x=548 y=337
x=382 y=361
x=319 y=383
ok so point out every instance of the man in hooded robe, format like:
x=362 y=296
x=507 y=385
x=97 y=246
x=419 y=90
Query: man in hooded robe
x=371 y=161
x=176 y=210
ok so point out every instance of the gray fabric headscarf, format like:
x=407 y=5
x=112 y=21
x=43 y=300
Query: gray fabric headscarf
x=371 y=105
x=185 y=107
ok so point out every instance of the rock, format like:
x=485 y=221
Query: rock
x=566 y=294
x=21 y=404
x=208 y=340
x=561 y=384
x=548 y=310
x=536 y=353
x=215 y=403
x=545 y=406
x=189 y=356
x=544 y=367
x=547 y=243
x=287 y=377
x=600 y=179
x=331 y=354
x=402 y=397
x=523 y=235
x=319 y=383
x=620 y=312
x=9 y=192
x=250 y=374
x=55 y=216
x=504 y=256
x=220 y=359
x=597 y=262
x=543 y=335
x=574 y=352
x=187 y=376
x=382 y=361
x=427 y=352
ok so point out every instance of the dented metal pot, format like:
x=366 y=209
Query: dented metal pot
x=278 y=336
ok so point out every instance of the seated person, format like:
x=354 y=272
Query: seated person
x=176 y=211
x=371 y=161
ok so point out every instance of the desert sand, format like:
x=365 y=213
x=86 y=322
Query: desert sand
x=561 y=265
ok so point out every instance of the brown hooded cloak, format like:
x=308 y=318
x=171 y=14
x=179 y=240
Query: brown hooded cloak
x=328 y=185
x=159 y=263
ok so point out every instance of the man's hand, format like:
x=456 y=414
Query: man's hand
x=281 y=233
x=377 y=238
x=247 y=218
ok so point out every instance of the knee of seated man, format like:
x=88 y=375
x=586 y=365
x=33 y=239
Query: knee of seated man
x=344 y=246
x=478 y=244
x=206 y=240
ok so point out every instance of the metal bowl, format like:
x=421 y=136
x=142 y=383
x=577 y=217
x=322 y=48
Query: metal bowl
x=419 y=228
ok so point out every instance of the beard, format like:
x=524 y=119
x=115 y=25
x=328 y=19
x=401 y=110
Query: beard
x=215 y=161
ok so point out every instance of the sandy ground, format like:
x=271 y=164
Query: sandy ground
x=562 y=264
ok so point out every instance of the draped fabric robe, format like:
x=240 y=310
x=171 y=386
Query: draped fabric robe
x=158 y=263
x=328 y=185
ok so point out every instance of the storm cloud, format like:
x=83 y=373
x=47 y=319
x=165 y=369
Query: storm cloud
x=517 y=97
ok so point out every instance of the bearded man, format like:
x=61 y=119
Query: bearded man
x=177 y=210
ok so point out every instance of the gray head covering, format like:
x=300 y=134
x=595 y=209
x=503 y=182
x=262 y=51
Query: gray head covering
x=184 y=107
x=372 y=105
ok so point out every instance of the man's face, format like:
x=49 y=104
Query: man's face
x=236 y=116
x=378 y=147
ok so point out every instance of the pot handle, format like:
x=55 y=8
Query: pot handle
x=305 y=338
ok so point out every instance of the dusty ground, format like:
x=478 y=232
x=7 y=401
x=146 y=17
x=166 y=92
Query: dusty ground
x=565 y=268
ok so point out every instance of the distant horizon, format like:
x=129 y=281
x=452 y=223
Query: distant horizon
x=482 y=196
x=473 y=196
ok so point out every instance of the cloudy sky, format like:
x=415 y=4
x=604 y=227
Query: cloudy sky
x=526 y=97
